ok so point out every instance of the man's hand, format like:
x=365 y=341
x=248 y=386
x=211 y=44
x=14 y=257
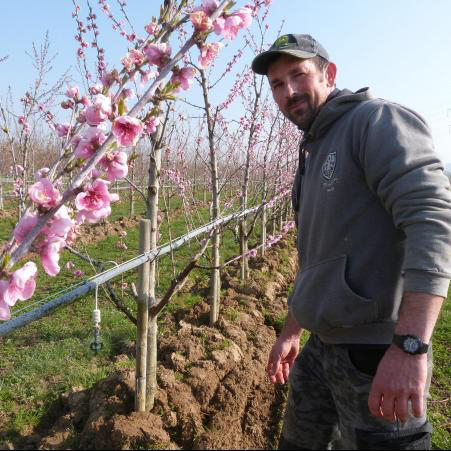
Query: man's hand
x=281 y=359
x=400 y=377
x=284 y=352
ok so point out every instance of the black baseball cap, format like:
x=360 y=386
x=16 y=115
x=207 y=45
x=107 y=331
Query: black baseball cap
x=301 y=46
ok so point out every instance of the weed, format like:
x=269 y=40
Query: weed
x=275 y=320
x=179 y=376
x=224 y=344
x=231 y=314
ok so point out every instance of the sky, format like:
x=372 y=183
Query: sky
x=399 y=48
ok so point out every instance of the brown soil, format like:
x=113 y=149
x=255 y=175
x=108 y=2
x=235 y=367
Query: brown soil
x=92 y=233
x=212 y=389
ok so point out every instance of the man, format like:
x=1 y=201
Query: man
x=374 y=241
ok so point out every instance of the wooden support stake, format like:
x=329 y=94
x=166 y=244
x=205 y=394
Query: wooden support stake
x=143 y=304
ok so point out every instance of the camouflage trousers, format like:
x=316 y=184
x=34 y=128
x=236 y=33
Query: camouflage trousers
x=328 y=406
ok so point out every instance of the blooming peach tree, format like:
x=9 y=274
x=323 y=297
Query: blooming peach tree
x=103 y=125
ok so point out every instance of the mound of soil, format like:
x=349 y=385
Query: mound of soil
x=94 y=233
x=213 y=392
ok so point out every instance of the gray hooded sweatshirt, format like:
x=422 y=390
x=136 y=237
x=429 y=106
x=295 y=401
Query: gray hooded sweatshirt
x=374 y=219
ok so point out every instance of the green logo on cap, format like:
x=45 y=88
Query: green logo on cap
x=282 y=42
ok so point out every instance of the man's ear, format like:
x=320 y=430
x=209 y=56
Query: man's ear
x=331 y=74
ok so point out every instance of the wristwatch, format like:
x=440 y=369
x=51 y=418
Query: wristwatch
x=410 y=344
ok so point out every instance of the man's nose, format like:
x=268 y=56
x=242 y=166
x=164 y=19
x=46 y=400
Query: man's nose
x=290 y=90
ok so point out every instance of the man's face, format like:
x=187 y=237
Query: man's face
x=299 y=88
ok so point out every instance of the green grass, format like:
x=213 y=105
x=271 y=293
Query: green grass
x=440 y=402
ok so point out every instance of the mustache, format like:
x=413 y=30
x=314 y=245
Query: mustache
x=295 y=99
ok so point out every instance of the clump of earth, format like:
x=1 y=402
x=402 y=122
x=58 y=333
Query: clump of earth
x=213 y=392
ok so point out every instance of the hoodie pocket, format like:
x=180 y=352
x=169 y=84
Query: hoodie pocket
x=323 y=300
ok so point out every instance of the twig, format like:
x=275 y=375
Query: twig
x=180 y=280
x=136 y=188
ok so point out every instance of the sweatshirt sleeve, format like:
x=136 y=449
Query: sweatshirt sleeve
x=402 y=168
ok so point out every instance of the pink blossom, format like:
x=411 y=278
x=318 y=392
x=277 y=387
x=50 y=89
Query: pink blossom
x=44 y=193
x=96 y=89
x=288 y=226
x=90 y=143
x=127 y=62
x=21 y=120
x=137 y=57
x=231 y=27
x=5 y=314
x=78 y=273
x=85 y=101
x=70 y=265
x=151 y=28
x=21 y=285
x=158 y=54
x=50 y=255
x=93 y=203
x=132 y=58
x=208 y=53
x=73 y=92
x=209 y=6
x=115 y=165
x=201 y=22
x=61 y=224
x=73 y=234
x=123 y=233
x=219 y=25
x=63 y=130
x=183 y=77
x=252 y=253
x=99 y=111
x=245 y=14
x=24 y=226
x=151 y=124
x=127 y=130
x=41 y=173
x=68 y=104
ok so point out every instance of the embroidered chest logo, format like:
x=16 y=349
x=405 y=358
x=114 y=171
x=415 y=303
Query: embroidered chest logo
x=328 y=168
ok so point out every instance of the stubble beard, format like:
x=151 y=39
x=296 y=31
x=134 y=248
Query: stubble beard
x=302 y=117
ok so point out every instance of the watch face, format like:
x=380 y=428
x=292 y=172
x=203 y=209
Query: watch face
x=411 y=345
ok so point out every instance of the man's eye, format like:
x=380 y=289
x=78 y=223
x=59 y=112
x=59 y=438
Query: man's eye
x=300 y=74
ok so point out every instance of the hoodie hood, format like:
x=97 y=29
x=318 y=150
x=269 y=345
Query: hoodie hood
x=336 y=107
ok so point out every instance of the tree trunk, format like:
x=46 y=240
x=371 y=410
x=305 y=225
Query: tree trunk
x=215 y=273
x=142 y=319
x=153 y=190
